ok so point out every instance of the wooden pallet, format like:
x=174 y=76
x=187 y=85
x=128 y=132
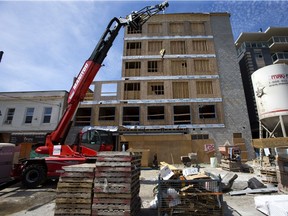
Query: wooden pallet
x=229 y=165
x=117 y=184
x=74 y=190
x=269 y=175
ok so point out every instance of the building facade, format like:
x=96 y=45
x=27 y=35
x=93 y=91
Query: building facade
x=30 y=114
x=181 y=88
x=256 y=50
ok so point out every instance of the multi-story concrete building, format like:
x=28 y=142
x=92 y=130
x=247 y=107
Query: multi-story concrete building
x=181 y=88
x=256 y=50
x=25 y=117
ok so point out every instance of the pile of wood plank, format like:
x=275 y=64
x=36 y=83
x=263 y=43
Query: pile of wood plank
x=74 y=190
x=117 y=184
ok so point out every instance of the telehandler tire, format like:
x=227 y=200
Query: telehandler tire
x=33 y=175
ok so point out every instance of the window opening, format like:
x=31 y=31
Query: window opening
x=10 y=115
x=204 y=87
x=29 y=115
x=182 y=115
x=133 y=48
x=106 y=113
x=131 y=116
x=155 y=113
x=156 y=88
x=47 y=114
x=207 y=111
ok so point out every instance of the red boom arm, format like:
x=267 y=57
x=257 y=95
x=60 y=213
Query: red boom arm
x=92 y=66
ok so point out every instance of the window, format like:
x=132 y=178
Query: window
x=154 y=28
x=182 y=115
x=198 y=28
x=176 y=28
x=154 y=47
x=179 y=67
x=131 y=116
x=108 y=89
x=10 y=115
x=156 y=88
x=204 y=87
x=132 y=87
x=131 y=30
x=154 y=66
x=29 y=115
x=201 y=66
x=200 y=136
x=155 y=113
x=180 y=90
x=200 y=46
x=132 y=68
x=177 y=47
x=207 y=111
x=107 y=114
x=83 y=116
x=131 y=91
x=133 y=48
x=47 y=114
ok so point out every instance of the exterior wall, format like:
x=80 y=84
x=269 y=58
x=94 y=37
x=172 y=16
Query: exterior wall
x=235 y=110
x=177 y=86
x=37 y=100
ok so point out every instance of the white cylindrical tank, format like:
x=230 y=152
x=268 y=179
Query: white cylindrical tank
x=270 y=86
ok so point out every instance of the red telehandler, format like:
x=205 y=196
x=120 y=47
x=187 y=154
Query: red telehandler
x=35 y=171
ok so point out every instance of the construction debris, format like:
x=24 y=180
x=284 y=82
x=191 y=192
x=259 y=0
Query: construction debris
x=228 y=180
x=193 y=193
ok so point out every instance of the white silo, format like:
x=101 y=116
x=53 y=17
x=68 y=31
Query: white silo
x=270 y=85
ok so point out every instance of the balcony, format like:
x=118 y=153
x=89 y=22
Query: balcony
x=280 y=57
x=278 y=43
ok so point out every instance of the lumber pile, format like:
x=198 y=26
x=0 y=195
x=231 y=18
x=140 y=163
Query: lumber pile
x=117 y=184
x=74 y=190
x=189 y=193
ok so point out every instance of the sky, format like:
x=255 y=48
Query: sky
x=46 y=43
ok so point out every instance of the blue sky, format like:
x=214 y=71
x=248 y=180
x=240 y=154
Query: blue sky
x=45 y=43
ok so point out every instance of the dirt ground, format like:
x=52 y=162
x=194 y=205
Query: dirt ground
x=16 y=201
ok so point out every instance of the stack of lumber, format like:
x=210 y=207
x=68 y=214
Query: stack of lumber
x=117 y=184
x=74 y=190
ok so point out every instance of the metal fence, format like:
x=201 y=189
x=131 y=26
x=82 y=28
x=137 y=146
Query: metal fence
x=190 y=197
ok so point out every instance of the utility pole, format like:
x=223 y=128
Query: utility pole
x=1 y=54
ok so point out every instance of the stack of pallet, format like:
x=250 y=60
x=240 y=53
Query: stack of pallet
x=117 y=184
x=268 y=175
x=74 y=190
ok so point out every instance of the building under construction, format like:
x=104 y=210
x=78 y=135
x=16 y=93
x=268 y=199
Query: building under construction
x=181 y=90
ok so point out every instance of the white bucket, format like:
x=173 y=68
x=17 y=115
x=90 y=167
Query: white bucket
x=213 y=162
